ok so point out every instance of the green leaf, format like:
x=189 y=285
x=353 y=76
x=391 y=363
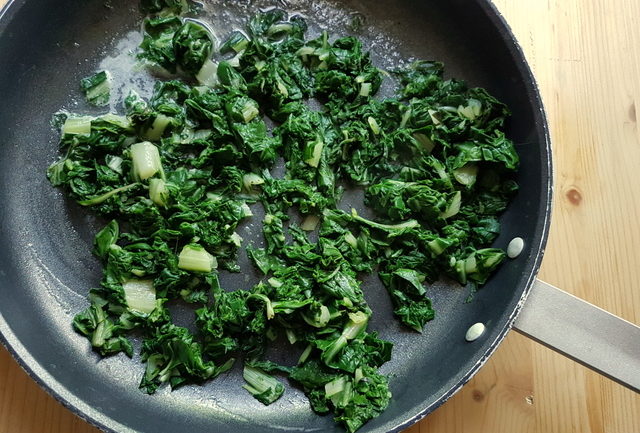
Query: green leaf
x=157 y=44
x=192 y=46
x=411 y=305
x=97 y=88
x=263 y=387
x=173 y=357
x=105 y=238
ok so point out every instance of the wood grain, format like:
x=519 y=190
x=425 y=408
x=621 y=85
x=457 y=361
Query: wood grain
x=586 y=57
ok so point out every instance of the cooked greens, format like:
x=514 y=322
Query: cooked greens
x=177 y=175
x=175 y=44
x=97 y=88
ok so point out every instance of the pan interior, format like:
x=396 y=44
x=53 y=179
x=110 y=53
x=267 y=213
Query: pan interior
x=46 y=267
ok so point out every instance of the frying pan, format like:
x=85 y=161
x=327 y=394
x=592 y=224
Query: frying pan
x=46 y=270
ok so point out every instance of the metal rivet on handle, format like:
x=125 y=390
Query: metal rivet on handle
x=515 y=247
x=475 y=331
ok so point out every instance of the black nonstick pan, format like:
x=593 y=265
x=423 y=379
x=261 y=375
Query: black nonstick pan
x=46 y=269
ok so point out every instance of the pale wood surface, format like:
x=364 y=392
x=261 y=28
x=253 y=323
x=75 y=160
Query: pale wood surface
x=585 y=55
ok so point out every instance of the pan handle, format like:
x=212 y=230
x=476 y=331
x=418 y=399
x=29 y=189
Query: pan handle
x=583 y=332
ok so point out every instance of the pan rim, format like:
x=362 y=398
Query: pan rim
x=56 y=389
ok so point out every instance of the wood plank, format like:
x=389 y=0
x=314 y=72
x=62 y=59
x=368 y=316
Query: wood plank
x=585 y=55
x=26 y=408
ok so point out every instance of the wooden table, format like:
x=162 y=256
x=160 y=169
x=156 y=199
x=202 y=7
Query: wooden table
x=586 y=57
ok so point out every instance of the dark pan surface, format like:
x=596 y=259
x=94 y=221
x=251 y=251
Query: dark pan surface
x=46 y=267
